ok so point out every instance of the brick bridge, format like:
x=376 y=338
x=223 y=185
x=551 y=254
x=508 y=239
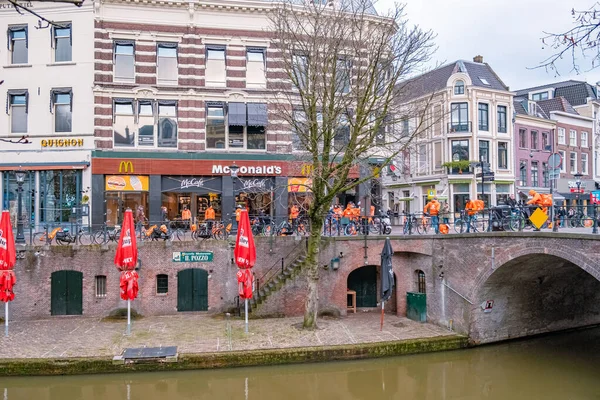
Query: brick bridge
x=538 y=282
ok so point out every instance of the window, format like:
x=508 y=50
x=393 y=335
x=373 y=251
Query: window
x=539 y=96
x=18 y=42
x=534 y=140
x=215 y=126
x=437 y=120
x=563 y=156
x=255 y=67
x=299 y=124
x=502 y=128
x=423 y=158
x=238 y=126
x=59 y=190
x=342 y=134
x=19 y=104
x=420 y=275
x=167 y=123
x=459 y=117
x=545 y=174
x=584 y=163
x=484 y=81
x=124 y=60
x=437 y=155
x=145 y=122
x=573 y=163
x=62 y=42
x=300 y=70
x=343 y=68
x=502 y=155
x=484 y=151
x=483 y=117
x=534 y=173
x=62 y=106
x=523 y=173
x=573 y=138
x=523 y=138
x=546 y=146
x=405 y=126
x=100 y=285
x=584 y=139
x=460 y=152
x=162 y=284
x=561 y=136
x=459 y=87
x=124 y=125
x=150 y=117
x=215 y=65
x=166 y=60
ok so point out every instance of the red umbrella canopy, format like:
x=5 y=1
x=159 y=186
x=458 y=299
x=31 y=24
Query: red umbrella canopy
x=8 y=257
x=244 y=251
x=8 y=254
x=127 y=253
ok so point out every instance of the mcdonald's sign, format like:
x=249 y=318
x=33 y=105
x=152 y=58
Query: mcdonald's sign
x=126 y=167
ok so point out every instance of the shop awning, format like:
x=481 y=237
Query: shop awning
x=257 y=114
x=44 y=166
x=236 y=114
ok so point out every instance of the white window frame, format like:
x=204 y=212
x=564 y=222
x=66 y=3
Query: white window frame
x=539 y=95
x=168 y=47
x=119 y=55
x=573 y=137
x=584 y=163
x=584 y=139
x=574 y=164
x=55 y=37
x=562 y=136
x=12 y=40
x=507 y=155
x=55 y=113
x=563 y=166
x=11 y=110
x=260 y=80
x=216 y=58
x=456 y=86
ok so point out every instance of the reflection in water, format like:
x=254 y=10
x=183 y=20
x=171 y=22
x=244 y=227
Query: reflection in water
x=565 y=366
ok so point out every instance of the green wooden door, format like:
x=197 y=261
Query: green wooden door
x=192 y=290
x=66 y=293
x=364 y=282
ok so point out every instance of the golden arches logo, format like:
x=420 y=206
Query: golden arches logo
x=126 y=167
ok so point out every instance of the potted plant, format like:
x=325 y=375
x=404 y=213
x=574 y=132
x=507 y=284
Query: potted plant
x=459 y=165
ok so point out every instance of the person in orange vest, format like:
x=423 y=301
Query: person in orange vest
x=209 y=217
x=433 y=208
x=536 y=201
x=238 y=212
x=471 y=209
x=186 y=216
x=294 y=213
x=356 y=212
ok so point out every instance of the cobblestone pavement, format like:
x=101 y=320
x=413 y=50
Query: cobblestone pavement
x=196 y=333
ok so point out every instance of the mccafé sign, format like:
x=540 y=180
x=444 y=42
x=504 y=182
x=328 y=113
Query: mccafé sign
x=62 y=142
x=219 y=169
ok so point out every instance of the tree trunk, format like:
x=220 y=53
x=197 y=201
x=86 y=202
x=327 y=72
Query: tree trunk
x=311 y=309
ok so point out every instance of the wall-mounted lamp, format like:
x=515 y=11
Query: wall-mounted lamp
x=335 y=263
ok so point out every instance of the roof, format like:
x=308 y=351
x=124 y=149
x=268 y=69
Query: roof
x=348 y=5
x=437 y=79
x=556 y=104
x=522 y=108
x=576 y=92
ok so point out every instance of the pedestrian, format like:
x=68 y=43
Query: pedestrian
x=433 y=208
x=209 y=217
x=511 y=201
x=186 y=216
x=471 y=211
x=445 y=213
x=164 y=216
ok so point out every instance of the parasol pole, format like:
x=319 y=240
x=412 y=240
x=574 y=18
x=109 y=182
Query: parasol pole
x=6 y=318
x=246 y=313
x=128 y=317
x=382 y=307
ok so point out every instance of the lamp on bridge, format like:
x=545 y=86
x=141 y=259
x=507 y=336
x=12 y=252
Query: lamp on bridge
x=234 y=169
x=20 y=177
x=578 y=183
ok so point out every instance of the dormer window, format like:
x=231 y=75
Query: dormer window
x=459 y=87
x=539 y=96
x=484 y=81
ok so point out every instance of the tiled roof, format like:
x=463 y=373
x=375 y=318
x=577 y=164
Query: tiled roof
x=521 y=108
x=576 y=92
x=556 y=104
x=436 y=80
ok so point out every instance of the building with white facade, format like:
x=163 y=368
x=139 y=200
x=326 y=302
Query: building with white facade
x=48 y=76
x=469 y=120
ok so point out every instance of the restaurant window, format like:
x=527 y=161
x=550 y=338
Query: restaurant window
x=166 y=55
x=17 y=108
x=534 y=140
x=584 y=163
x=573 y=138
x=459 y=118
x=523 y=173
x=584 y=139
x=421 y=283
x=502 y=155
x=573 y=163
x=10 y=197
x=561 y=136
x=522 y=138
x=483 y=116
x=534 y=173
x=162 y=284
x=461 y=194
x=459 y=87
x=60 y=192
x=61 y=103
x=62 y=42
x=18 y=43
x=484 y=151
x=167 y=123
x=215 y=65
x=100 y=285
x=502 y=127
x=546 y=141
x=300 y=70
x=255 y=67
x=124 y=60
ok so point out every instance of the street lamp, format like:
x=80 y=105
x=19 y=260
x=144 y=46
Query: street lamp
x=20 y=176
x=234 y=169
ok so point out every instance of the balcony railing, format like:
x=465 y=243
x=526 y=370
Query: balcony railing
x=454 y=127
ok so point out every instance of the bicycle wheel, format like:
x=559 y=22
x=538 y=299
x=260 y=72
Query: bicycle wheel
x=479 y=225
x=350 y=230
x=85 y=238
x=268 y=230
x=39 y=239
x=62 y=243
x=459 y=226
x=100 y=237
x=422 y=228
x=587 y=222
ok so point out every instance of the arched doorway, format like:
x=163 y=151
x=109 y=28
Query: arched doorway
x=192 y=290
x=364 y=282
x=66 y=292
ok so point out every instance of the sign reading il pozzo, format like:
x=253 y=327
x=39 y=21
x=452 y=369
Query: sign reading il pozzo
x=192 y=256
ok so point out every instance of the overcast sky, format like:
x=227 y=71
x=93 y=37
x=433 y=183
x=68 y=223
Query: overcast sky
x=506 y=33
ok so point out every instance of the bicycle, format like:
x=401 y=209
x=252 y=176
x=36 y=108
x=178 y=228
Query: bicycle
x=107 y=235
x=410 y=222
x=477 y=223
x=155 y=233
x=424 y=225
x=62 y=236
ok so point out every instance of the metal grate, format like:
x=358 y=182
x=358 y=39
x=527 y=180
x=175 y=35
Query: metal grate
x=100 y=286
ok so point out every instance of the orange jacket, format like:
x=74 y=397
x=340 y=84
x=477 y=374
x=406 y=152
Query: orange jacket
x=372 y=211
x=471 y=207
x=186 y=214
x=338 y=212
x=348 y=212
x=433 y=207
x=209 y=213
x=356 y=211
x=238 y=212
x=479 y=204
x=536 y=199
x=294 y=212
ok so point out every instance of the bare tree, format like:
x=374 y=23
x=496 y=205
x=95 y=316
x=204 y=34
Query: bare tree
x=343 y=71
x=580 y=42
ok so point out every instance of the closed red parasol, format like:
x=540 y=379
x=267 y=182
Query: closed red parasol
x=126 y=260
x=8 y=257
x=245 y=257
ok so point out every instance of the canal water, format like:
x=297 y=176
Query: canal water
x=564 y=366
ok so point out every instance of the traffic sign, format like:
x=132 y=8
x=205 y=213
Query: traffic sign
x=485 y=174
x=489 y=179
x=538 y=218
x=554 y=160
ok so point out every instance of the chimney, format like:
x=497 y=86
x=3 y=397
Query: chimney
x=478 y=59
